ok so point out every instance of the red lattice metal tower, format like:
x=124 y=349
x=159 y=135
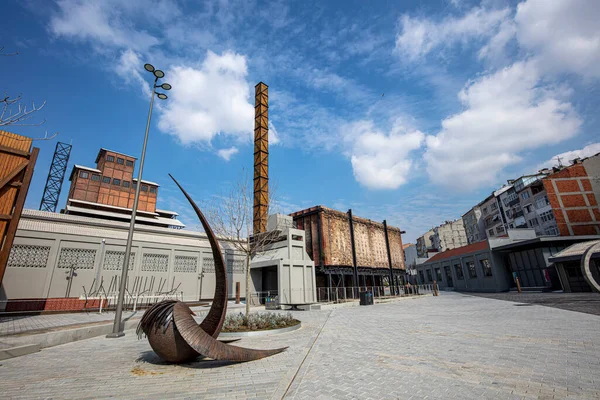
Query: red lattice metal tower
x=261 y=158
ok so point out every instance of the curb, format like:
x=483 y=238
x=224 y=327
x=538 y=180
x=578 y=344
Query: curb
x=260 y=333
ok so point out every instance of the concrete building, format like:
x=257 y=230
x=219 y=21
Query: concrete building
x=63 y=257
x=449 y=235
x=410 y=254
x=574 y=196
x=425 y=244
x=474 y=225
x=107 y=192
x=492 y=217
x=510 y=207
x=283 y=267
x=491 y=265
x=568 y=266
x=329 y=243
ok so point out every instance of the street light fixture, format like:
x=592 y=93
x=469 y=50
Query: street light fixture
x=118 y=326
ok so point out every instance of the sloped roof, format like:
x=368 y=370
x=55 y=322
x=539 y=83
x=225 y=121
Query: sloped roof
x=574 y=252
x=459 y=251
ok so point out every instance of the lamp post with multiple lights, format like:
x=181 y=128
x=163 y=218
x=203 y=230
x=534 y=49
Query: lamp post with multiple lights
x=118 y=326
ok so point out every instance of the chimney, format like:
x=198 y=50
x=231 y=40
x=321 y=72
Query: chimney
x=261 y=158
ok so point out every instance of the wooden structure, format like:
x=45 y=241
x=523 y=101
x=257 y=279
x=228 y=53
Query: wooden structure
x=17 y=161
x=261 y=158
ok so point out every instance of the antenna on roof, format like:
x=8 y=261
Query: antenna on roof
x=559 y=161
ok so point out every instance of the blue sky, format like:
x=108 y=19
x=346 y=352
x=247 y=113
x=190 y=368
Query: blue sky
x=405 y=111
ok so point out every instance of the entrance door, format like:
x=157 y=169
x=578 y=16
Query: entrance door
x=449 y=276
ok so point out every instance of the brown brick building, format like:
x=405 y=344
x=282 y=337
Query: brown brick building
x=108 y=191
x=574 y=195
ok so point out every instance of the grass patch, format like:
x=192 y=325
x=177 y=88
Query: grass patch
x=258 y=322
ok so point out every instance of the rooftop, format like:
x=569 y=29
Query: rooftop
x=459 y=251
x=112 y=151
x=574 y=252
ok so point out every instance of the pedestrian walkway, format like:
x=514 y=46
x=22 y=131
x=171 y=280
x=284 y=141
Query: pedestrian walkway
x=451 y=346
x=30 y=324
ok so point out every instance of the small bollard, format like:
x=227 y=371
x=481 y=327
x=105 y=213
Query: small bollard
x=237 y=293
x=435 y=289
x=518 y=285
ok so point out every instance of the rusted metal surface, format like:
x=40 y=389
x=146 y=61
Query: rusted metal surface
x=174 y=334
x=328 y=240
x=17 y=161
x=261 y=158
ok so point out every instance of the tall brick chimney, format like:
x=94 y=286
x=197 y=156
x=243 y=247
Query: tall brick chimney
x=261 y=158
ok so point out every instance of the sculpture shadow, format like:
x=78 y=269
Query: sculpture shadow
x=201 y=362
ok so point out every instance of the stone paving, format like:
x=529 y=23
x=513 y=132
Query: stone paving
x=15 y=325
x=451 y=346
x=581 y=302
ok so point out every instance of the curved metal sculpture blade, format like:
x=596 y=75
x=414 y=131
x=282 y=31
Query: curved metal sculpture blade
x=586 y=266
x=174 y=334
x=213 y=322
x=205 y=344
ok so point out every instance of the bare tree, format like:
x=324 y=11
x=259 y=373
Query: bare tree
x=13 y=112
x=231 y=217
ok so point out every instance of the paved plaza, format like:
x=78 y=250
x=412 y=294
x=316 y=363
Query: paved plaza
x=451 y=346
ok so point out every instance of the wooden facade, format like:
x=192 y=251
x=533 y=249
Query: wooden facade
x=17 y=161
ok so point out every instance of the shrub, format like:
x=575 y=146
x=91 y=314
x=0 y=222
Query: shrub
x=257 y=321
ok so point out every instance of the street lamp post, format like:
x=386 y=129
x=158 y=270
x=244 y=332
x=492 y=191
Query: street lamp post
x=118 y=327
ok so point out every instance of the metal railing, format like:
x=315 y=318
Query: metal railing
x=345 y=294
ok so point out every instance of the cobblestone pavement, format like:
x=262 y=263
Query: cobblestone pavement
x=582 y=302
x=14 y=325
x=451 y=346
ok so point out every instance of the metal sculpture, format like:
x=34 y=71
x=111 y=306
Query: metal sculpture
x=174 y=334
x=586 y=267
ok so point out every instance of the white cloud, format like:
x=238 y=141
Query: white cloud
x=568 y=156
x=419 y=36
x=128 y=68
x=273 y=135
x=379 y=160
x=210 y=100
x=226 y=154
x=100 y=22
x=505 y=114
x=563 y=35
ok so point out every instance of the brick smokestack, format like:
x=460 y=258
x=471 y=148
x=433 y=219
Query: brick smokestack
x=261 y=158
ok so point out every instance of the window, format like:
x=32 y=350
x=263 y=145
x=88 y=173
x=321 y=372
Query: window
x=116 y=182
x=491 y=232
x=438 y=274
x=421 y=277
x=144 y=188
x=125 y=184
x=129 y=163
x=472 y=270
x=152 y=189
x=485 y=210
x=459 y=271
x=429 y=277
x=552 y=231
x=135 y=185
x=533 y=222
x=525 y=195
x=500 y=229
x=547 y=216
x=542 y=202
x=528 y=208
x=84 y=174
x=494 y=206
x=110 y=158
x=120 y=161
x=487 y=268
x=106 y=179
x=96 y=177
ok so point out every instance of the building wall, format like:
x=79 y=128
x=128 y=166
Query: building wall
x=425 y=243
x=449 y=235
x=410 y=255
x=335 y=239
x=47 y=245
x=119 y=190
x=492 y=220
x=573 y=201
x=473 y=224
x=499 y=280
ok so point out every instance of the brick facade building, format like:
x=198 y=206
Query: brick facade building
x=329 y=244
x=573 y=199
x=108 y=191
